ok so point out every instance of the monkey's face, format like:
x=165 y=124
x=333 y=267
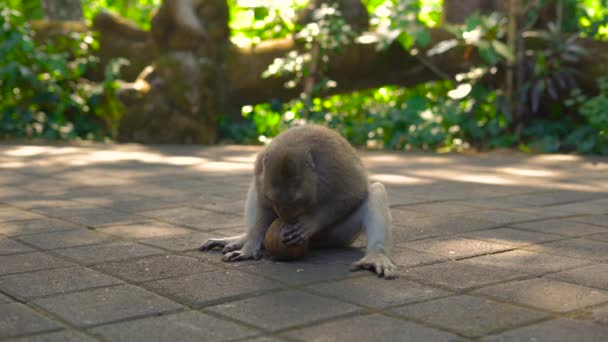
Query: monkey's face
x=289 y=184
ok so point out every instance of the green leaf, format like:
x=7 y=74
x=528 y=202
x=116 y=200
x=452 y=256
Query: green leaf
x=503 y=50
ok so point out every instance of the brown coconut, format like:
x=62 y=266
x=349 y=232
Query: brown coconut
x=275 y=246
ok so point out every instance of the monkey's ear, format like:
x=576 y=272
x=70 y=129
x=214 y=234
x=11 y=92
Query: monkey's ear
x=310 y=160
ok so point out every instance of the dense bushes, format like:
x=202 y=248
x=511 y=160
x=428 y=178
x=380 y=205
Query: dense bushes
x=43 y=89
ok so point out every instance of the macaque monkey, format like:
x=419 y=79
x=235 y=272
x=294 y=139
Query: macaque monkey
x=312 y=178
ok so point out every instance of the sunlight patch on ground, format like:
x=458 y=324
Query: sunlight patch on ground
x=528 y=172
x=387 y=178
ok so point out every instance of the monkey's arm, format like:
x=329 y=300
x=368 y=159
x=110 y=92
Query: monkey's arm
x=258 y=218
x=377 y=224
x=323 y=216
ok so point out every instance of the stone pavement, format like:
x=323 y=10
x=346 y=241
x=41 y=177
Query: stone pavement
x=98 y=242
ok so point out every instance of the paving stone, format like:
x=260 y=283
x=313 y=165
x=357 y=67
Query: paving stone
x=18 y=263
x=455 y=247
x=64 y=239
x=4 y=299
x=106 y=305
x=512 y=237
x=378 y=293
x=184 y=326
x=575 y=248
x=289 y=308
x=343 y=256
x=597 y=220
x=120 y=250
x=8 y=214
x=211 y=287
x=17 y=319
x=153 y=268
x=529 y=262
x=297 y=272
x=404 y=257
x=549 y=198
x=502 y=216
x=561 y=227
x=469 y=316
x=459 y=275
x=132 y=205
x=48 y=282
x=586 y=207
x=598 y=315
x=59 y=336
x=417 y=228
x=182 y=242
x=593 y=276
x=8 y=246
x=145 y=230
x=598 y=237
x=370 y=328
x=436 y=209
x=551 y=295
x=554 y=331
x=20 y=228
x=91 y=216
x=223 y=205
x=195 y=218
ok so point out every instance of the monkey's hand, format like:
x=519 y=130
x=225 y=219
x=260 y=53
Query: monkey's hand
x=299 y=232
x=376 y=262
x=246 y=253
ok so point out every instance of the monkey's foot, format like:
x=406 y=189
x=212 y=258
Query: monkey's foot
x=226 y=244
x=378 y=263
x=240 y=255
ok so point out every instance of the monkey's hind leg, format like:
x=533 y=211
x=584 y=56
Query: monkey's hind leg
x=377 y=224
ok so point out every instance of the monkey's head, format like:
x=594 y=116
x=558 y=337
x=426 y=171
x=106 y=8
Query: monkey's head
x=289 y=181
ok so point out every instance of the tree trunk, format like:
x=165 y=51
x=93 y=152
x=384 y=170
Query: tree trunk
x=62 y=9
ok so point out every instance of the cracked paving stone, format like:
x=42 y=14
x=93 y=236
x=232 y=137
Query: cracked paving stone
x=408 y=258
x=289 y=308
x=4 y=299
x=554 y=331
x=145 y=230
x=17 y=319
x=454 y=247
x=105 y=305
x=378 y=293
x=120 y=250
x=593 y=276
x=91 y=216
x=195 y=218
x=528 y=262
x=8 y=247
x=512 y=237
x=59 y=336
x=184 y=326
x=459 y=275
x=211 y=287
x=19 y=263
x=598 y=220
x=296 y=272
x=370 y=328
x=14 y=214
x=153 y=268
x=65 y=239
x=182 y=242
x=19 y=228
x=550 y=295
x=49 y=282
x=597 y=315
x=574 y=248
x=475 y=316
x=561 y=227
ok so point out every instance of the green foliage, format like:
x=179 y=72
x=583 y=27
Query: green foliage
x=255 y=23
x=327 y=34
x=43 y=92
x=139 y=11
